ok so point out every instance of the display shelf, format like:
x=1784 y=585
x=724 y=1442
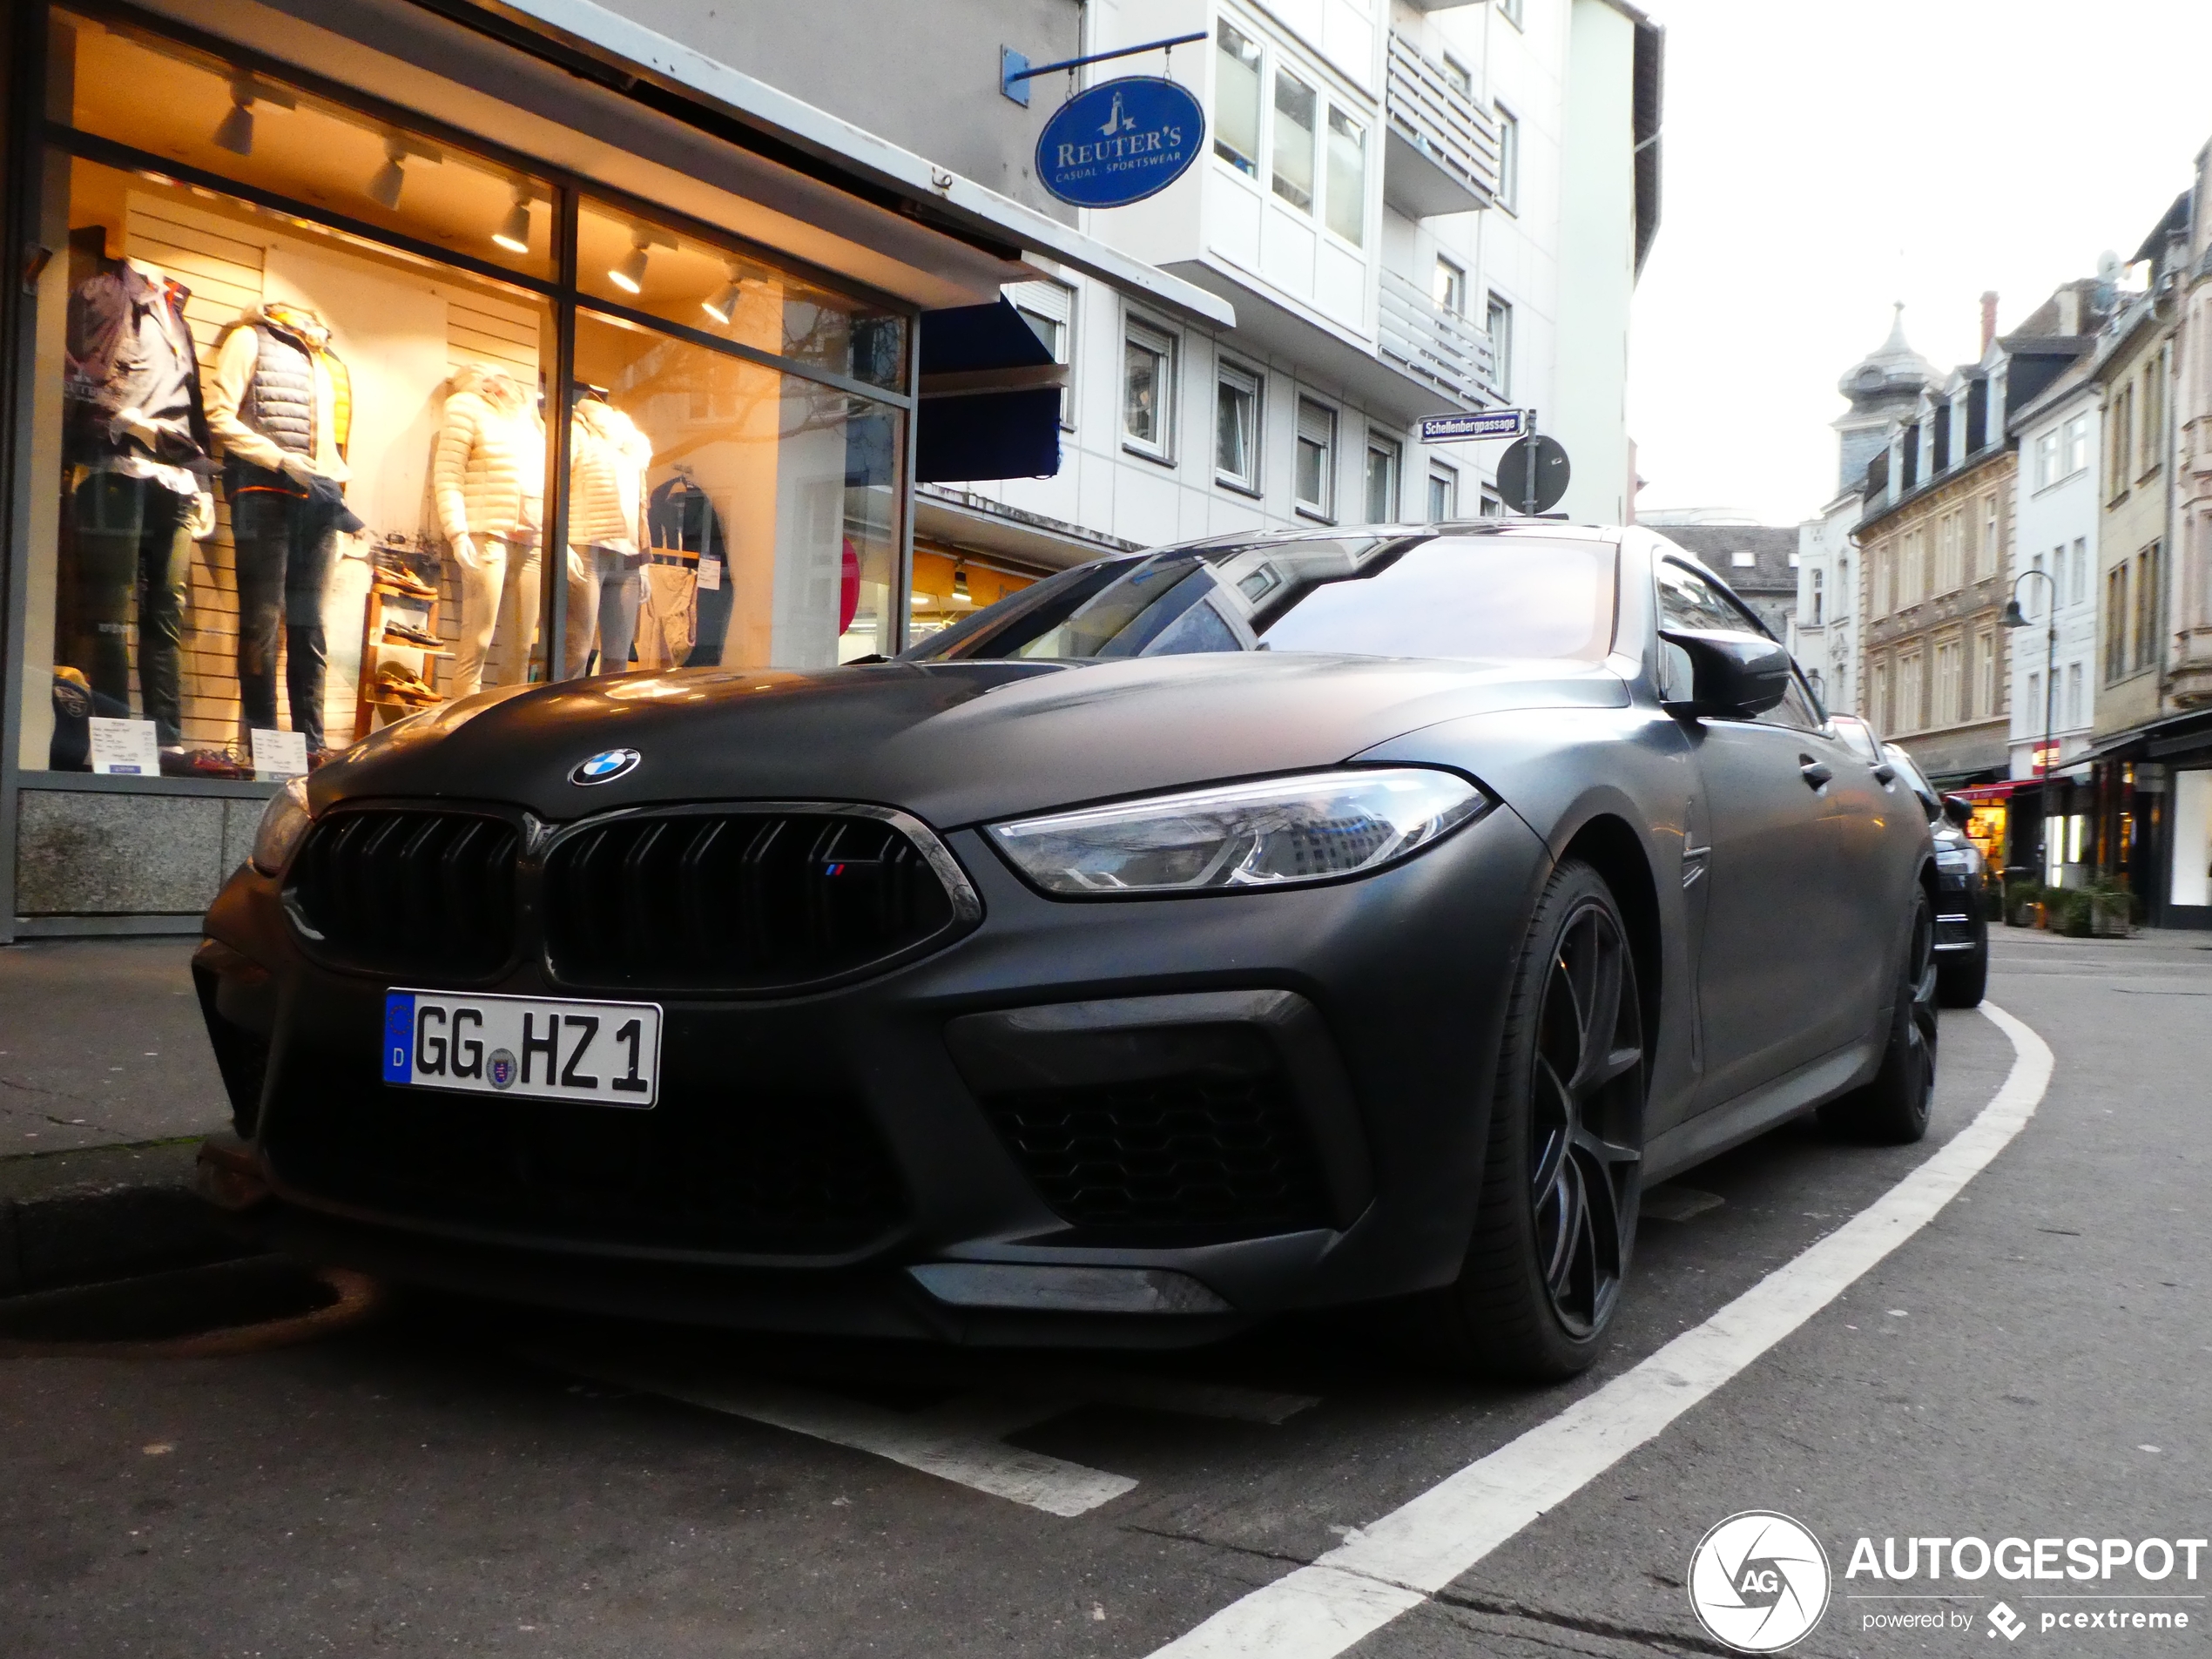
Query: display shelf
x=389 y=599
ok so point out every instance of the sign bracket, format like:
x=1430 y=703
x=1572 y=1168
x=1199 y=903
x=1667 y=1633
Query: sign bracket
x=1015 y=72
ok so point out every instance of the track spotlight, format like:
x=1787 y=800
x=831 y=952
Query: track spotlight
x=630 y=275
x=514 y=232
x=723 y=305
x=960 y=595
x=384 y=188
x=234 y=133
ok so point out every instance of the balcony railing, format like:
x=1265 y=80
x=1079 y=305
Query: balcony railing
x=1436 y=346
x=1441 y=154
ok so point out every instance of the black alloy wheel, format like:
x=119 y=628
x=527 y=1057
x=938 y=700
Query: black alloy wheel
x=1893 y=1109
x=1564 y=1173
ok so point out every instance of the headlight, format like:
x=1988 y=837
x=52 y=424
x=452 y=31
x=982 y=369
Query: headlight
x=284 y=821
x=1269 y=834
x=1964 y=859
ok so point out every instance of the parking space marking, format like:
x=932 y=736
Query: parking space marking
x=1393 y=1566
x=960 y=1440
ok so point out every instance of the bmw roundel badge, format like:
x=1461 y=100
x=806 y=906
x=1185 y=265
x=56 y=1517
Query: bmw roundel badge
x=606 y=766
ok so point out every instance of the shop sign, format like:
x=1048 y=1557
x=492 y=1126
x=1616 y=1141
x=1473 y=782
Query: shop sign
x=1120 y=142
x=2046 y=755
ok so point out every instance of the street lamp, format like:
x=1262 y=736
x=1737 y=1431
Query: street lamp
x=2015 y=617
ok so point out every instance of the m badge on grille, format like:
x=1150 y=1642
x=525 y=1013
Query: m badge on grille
x=606 y=766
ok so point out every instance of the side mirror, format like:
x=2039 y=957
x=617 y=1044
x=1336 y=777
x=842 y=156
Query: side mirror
x=1730 y=674
x=1958 y=810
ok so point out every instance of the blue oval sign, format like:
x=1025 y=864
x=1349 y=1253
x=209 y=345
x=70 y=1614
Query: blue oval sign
x=1120 y=142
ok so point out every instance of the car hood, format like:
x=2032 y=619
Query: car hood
x=954 y=744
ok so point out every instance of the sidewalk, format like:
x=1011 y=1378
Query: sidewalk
x=106 y=1085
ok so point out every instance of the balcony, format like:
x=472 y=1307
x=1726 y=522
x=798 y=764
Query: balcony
x=1437 y=347
x=1440 y=152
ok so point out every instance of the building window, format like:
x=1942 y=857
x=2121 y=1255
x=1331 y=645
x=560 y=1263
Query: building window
x=1950 y=532
x=2035 y=713
x=1880 y=706
x=1911 y=687
x=1236 y=105
x=1991 y=560
x=1510 y=11
x=2150 y=587
x=1884 y=595
x=1949 y=682
x=2153 y=426
x=1444 y=494
x=1820 y=600
x=2116 y=618
x=2074 y=448
x=2081 y=570
x=1148 y=390
x=1451 y=287
x=1986 y=681
x=1347 y=199
x=1384 y=460
x=2074 y=694
x=1236 y=443
x=1843 y=594
x=1458 y=77
x=1049 y=309
x=1508 y=160
x=1295 y=107
x=2046 y=459
x=1317 y=458
x=1497 y=320
x=1743 y=559
x=2123 y=450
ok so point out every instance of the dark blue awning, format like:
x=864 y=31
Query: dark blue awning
x=990 y=398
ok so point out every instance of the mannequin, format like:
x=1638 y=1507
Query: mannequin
x=608 y=457
x=136 y=444
x=487 y=478
x=282 y=404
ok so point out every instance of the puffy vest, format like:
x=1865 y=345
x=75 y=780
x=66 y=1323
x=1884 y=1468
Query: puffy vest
x=280 y=402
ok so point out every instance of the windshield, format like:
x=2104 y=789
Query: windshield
x=1474 y=595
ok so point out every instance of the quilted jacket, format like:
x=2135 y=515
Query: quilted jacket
x=488 y=472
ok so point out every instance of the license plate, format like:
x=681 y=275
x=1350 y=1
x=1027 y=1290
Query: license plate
x=538 y=1048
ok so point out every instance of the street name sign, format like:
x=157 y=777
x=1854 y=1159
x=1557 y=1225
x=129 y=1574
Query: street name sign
x=1120 y=142
x=1470 y=429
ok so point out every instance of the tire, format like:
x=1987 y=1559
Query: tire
x=1892 y=1110
x=1562 y=1176
x=1961 y=981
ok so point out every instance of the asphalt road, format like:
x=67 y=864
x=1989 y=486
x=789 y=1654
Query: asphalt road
x=2031 y=1363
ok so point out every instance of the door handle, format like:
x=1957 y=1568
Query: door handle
x=1813 y=773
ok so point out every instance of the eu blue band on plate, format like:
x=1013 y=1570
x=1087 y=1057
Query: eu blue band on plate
x=398 y=1037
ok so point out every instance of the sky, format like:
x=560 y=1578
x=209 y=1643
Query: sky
x=1821 y=161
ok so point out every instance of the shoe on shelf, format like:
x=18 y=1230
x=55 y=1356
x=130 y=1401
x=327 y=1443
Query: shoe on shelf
x=401 y=577
x=399 y=682
x=398 y=633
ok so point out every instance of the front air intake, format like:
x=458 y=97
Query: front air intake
x=758 y=901
x=408 y=893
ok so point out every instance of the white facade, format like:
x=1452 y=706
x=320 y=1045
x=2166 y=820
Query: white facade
x=2054 y=516
x=1823 y=635
x=1393 y=201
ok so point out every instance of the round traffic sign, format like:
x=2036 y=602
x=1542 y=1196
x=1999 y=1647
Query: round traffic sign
x=1547 y=459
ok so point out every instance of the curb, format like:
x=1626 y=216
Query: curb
x=104 y=1212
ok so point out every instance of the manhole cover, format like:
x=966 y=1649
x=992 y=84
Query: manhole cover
x=229 y=1307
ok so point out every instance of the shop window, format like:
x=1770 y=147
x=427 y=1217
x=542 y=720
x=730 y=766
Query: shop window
x=1235 y=122
x=632 y=262
x=721 y=511
x=949 y=586
x=1236 y=444
x=188 y=105
x=295 y=362
x=1315 y=477
x=1384 y=460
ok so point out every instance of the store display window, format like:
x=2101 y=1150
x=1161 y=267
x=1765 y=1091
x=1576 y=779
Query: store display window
x=949 y=586
x=299 y=367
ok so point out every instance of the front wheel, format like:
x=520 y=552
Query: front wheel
x=1893 y=1109
x=1562 y=1176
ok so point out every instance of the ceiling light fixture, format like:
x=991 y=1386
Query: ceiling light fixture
x=384 y=188
x=723 y=305
x=630 y=275
x=959 y=585
x=514 y=232
x=234 y=133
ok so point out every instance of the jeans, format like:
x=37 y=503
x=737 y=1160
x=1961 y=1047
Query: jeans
x=501 y=586
x=286 y=549
x=715 y=604
x=133 y=544
x=604 y=589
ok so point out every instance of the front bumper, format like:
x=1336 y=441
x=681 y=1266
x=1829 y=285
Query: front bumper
x=1355 y=1024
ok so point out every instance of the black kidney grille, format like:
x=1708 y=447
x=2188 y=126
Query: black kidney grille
x=1199 y=1157
x=701 y=1170
x=736 y=901
x=410 y=892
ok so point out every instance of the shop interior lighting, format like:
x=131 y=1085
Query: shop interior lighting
x=960 y=595
x=234 y=133
x=630 y=275
x=514 y=232
x=384 y=187
x=723 y=305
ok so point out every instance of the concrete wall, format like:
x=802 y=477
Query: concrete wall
x=88 y=853
x=1596 y=262
x=922 y=73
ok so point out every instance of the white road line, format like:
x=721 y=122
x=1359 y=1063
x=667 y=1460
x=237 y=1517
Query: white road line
x=957 y=1441
x=1394 y=1566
